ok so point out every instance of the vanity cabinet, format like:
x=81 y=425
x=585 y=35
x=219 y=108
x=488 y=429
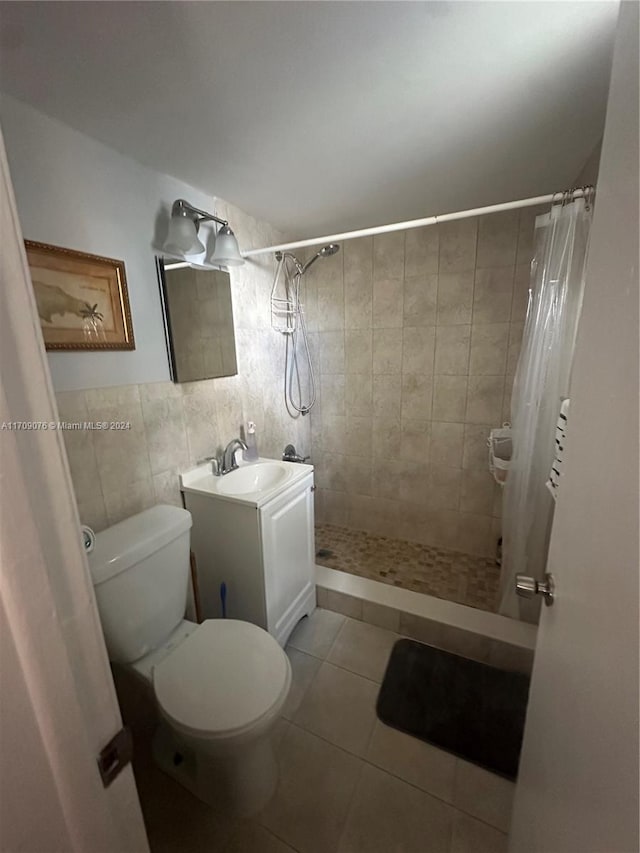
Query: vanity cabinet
x=264 y=554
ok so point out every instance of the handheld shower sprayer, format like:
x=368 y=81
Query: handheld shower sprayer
x=287 y=317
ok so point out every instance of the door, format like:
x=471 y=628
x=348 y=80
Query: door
x=578 y=782
x=58 y=706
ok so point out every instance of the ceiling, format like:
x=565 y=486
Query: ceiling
x=326 y=116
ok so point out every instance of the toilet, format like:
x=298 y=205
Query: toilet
x=219 y=686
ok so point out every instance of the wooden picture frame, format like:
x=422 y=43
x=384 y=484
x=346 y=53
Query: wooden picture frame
x=82 y=299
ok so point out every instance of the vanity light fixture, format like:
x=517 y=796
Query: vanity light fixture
x=182 y=237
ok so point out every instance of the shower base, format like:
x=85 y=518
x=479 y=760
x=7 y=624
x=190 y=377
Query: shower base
x=450 y=575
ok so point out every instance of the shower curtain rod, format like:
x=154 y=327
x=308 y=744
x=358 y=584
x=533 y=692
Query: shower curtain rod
x=416 y=223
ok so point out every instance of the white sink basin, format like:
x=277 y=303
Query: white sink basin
x=253 y=483
x=252 y=479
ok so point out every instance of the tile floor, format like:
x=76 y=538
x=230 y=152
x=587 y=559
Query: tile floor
x=452 y=575
x=348 y=784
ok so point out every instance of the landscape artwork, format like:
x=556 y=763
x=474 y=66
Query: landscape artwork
x=82 y=299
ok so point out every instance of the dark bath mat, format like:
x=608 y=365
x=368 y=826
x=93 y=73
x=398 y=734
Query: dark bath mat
x=470 y=709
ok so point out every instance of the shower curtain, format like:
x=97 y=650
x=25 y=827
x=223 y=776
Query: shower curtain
x=542 y=381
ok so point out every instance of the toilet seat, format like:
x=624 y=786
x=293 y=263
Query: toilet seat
x=226 y=679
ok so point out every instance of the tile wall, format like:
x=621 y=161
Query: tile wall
x=416 y=337
x=117 y=473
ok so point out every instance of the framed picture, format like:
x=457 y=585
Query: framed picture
x=82 y=299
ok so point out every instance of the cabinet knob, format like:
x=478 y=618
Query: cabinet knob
x=313 y=488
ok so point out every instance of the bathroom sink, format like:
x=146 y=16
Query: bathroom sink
x=251 y=479
x=253 y=483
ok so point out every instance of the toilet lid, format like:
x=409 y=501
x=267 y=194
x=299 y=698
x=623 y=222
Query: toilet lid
x=222 y=678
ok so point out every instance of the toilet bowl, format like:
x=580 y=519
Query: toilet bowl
x=219 y=686
x=219 y=694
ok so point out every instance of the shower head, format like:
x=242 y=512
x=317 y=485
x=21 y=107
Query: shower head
x=325 y=252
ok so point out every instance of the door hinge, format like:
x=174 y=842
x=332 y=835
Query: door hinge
x=115 y=756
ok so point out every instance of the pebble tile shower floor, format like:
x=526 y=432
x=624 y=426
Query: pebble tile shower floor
x=451 y=575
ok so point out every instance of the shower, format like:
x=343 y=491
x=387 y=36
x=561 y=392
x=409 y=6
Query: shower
x=287 y=317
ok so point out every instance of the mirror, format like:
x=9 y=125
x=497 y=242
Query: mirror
x=198 y=317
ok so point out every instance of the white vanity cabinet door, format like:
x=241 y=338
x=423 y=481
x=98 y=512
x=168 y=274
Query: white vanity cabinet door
x=288 y=553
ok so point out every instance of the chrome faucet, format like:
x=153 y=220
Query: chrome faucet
x=228 y=458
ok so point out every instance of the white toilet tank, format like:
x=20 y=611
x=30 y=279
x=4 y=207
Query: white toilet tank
x=140 y=571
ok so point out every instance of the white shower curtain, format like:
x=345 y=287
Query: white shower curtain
x=542 y=380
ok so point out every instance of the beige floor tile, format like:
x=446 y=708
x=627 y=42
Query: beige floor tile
x=473 y=836
x=175 y=820
x=483 y=795
x=340 y=707
x=389 y=816
x=317 y=780
x=363 y=649
x=303 y=670
x=315 y=634
x=253 y=838
x=412 y=760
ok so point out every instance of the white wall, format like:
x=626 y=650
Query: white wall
x=75 y=192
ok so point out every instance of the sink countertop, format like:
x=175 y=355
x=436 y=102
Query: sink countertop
x=200 y=480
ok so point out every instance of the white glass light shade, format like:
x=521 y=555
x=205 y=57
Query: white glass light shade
x=182 y=238
x=226 y=253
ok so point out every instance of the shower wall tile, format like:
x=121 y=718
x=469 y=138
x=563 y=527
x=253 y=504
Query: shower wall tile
x=475 y=534
x=484 y=399
x=475 y=454
x=388 y=303
x=521 y=284
x=330 y=309
x=489 y=345
x=415 y=440
x=359 y=393
x=358 y=305
x=358 y=436
x=337 y=507
x=447 y=440
x=455 y=298
x=497 y=239
x=493 y=295
x=387 y=351
x=420 y=300
x=444 y=487
x=417 y=393
x=386 y=397
x=386 y=438
x=332 y=387
x=331 y=350
x=358 y=282
x=449 y=398
x=452 y=350
x=515 y=342
x=458 y=241
x=418 y=349
x=358 y=349
x=421 y=251
x=477 y=492
x=433 y=322
x=388 y=256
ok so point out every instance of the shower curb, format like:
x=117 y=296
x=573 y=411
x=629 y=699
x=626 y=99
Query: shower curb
x=480 y=645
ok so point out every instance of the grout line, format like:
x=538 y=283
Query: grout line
x=366 y=760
